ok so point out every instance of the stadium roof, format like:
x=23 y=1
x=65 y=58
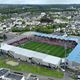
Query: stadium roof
x=31 y=54
x=24 y=35
x=51 y=59
x=16 y=39
x=57 y=37
x=72 y=38
x=75 y=54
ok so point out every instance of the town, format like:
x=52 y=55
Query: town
x=40 y=42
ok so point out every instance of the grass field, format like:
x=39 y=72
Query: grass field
x=31 y=69
x=46 y=48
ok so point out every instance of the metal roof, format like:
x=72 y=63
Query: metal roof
x=13 y=76
x=33 y=54
x=75 y=54
x=57 y=37
x=3 y=72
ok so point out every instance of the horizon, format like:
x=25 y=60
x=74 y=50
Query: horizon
x=40 y=2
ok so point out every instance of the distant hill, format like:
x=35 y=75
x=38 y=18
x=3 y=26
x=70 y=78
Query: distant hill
x=21 y=8
x=63 y=6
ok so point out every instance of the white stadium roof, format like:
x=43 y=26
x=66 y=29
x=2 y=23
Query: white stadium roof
x=29 y=53
x=52 y=60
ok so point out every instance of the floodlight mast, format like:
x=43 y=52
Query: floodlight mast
x=65 y=49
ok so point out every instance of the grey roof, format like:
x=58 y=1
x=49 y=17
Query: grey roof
x=75 y=54
x=3 y=72
x=77 y=39
x=71 y=38
x=2 y=79
x=14 y=76
x=15 y=39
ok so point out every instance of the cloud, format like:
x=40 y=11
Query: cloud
x=39 y=1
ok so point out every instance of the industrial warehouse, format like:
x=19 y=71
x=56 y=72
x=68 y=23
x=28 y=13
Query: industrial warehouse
x=11 y=47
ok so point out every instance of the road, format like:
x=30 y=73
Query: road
x=66 y=77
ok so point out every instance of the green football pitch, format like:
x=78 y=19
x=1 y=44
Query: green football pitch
x=46 y=48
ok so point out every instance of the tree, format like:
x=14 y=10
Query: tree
x=4 y=37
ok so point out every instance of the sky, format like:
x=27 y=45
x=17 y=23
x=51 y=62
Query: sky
x=39 y=1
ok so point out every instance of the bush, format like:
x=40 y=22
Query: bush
x=15 y=29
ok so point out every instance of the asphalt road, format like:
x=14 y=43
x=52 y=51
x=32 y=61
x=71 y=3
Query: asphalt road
x=66 y=77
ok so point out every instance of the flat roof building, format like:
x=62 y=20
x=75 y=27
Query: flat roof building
x=6 y=74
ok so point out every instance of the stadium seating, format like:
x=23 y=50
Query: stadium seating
x=51 y=41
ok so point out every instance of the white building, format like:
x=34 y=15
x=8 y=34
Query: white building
x=29 y=55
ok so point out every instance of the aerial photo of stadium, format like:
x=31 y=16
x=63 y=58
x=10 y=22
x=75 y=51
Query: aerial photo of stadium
x=39 y=39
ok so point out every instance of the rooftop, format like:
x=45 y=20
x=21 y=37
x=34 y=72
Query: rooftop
x=75 y=54
x=14 y=76
x=3 y=72
x=7 y=74
x=63 y=37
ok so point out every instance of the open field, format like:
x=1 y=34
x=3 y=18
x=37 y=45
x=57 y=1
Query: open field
x=31 y=68
x=12 y=63
x=46 y=48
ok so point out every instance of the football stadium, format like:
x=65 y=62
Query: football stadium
x=44 y=49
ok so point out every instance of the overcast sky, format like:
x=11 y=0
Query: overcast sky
x=39 y=1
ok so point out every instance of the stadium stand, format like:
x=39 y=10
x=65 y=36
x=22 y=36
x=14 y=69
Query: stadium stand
x=74 y=57
x=44 y=38
x=28 y=55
